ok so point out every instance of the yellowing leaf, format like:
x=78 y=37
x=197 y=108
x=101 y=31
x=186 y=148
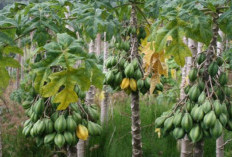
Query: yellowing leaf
x=155 y=79
x=65 y=97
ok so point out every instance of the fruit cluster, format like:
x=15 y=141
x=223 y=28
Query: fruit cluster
x=206 y=108
x=61 y=128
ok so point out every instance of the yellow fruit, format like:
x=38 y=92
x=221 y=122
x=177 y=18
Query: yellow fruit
x=133 y=85
x=125 y=83
x=82 y=132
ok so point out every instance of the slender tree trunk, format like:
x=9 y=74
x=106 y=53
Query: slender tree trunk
x=220 y=140
x=105 y=101
x=199 y=146
x=81 y=145
x=135 y=117
x=18 y=72
x=98 y=44
x=186 y=144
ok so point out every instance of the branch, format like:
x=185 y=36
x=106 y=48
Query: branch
x=220 y=147
x=141 y=12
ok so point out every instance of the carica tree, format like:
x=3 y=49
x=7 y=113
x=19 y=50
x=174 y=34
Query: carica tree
x=204 y=110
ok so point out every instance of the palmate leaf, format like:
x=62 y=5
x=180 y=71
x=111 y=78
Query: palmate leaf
x=4 y=77
x=178 y=49
x=63 y=54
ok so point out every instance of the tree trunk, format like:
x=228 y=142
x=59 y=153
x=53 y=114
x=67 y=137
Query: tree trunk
x=18 y=73
x=105 y=101
x=199 y=146
x=186 y=144
x=98 y=44
x=135 y=117
x=220 y=140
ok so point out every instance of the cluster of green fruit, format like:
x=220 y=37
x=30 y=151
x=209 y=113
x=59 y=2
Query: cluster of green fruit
x=206 y=109
x=127 y=75
x=61 y=128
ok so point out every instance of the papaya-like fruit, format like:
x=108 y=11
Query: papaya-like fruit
x=40 y=127
x=216 y=130
x=201 y=58
x=121 y=63
x=118 y=78
x=39 y=106
x=159 y=87
x=201 y=98
x=159 y=122
x=194 y=93
x=60 y=124
x=48 y=126
x=138 y=74
x=209 y=119
x=206 y=106
x=49 y=138
x=54 y=116
x=217 y=108
x=178 y=133
x=76 y=117
x=195 y=133
x=82 y=132
x=140 y=84
x=177 y=119
x=193 y=74
x=213 y=69
x=201 y=85
x=186 y=89
x=26 y=104
x=219 y=61
x=147 y=83
x=187 y=122
x=129 y=71
x=109 y=77
x=223 y=79
x=59 y=140
x=223 y=119
x=133 y=84
x=135 y=63
x=68 y=137
x=71 y=124
x=168 y=123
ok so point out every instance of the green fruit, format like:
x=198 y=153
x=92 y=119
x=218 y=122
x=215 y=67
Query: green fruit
x=48 y=126
x=223 y=119
x=147 y=83
x=201 y=98
x=224 y=109
x=217 y=108
x=201 y=58
x=135 y=63
x=113 y=61
x=71 y=124
x=227 y=91
x=49 y=139
x=216 y=130
x=93 y=113
x=201 y=85
x=209 y=119
x=76 y=117
x=186 y=89
x=129 y=71
x=195 y=133
x=223 y=79
x=187 y=122
x=126 y=64
x=60 y=124
x=27 y=122
x=34 y=117
x=40 y=127
x=177 y=119
x=194 y=93
x=54 y=116
x=74 y=107
x=59 y=140
x=206 y=133
x=219 y=61
x=219 y=94
x=118 y=78
x=189 y=106
x=168 y=123
x=26 y=104
x=159 y=122
x=213 y=69
x=138 y=75
x=229 y=125
x=206 y=106
x=193 y=74
x=109 y=77
x=68 y=137
x=159 y=87
x=94 y=128
x=178 y=133
x=140 y=84
x=198 y=114
x=121 y=63
x=39 y=106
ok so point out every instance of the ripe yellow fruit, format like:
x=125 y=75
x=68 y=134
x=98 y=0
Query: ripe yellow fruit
x=125 y=83
x=133 y=84
x=82 y=132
